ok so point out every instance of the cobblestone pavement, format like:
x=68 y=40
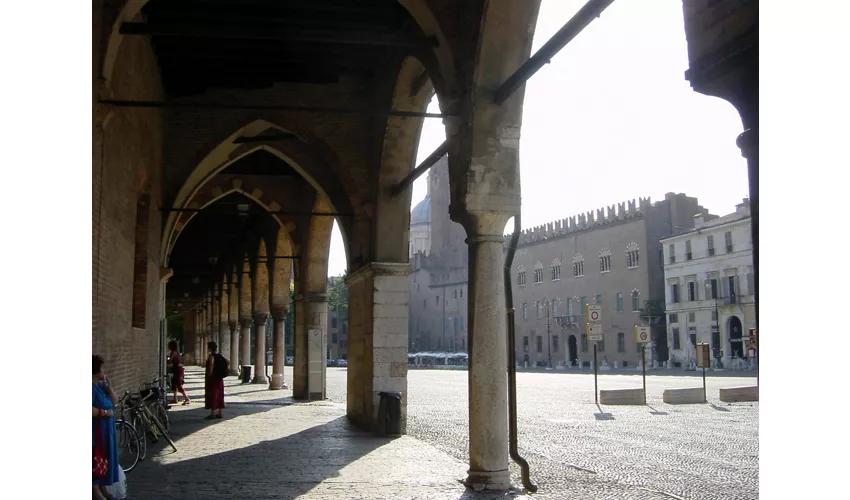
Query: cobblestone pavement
x=269 y=446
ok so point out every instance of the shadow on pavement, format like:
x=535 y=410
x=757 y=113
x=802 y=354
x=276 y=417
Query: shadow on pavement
x=280 y=468
x=656 y=412
x=602 y=415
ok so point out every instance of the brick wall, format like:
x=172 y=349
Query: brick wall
x=126 y=162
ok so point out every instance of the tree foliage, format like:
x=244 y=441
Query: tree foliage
x=338 y=295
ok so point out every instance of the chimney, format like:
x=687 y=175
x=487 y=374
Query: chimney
x=698 y=221
x=743 y=208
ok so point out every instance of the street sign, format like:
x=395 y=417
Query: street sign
x=703 y=356
x=594 y=313
x=594 y=333
x=642 y=334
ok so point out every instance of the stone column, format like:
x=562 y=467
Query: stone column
x=748 y=141
x=278 y=381
x=224 y=335
x=260 y=320
x=311 y=332
x=245 y=337
x=234 y=347
x=488 y=357
x=378 y=296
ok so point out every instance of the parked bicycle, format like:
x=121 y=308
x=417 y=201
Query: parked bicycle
x=128 y=445
x=142 y=412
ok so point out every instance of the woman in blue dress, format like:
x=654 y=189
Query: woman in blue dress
x=103 y=416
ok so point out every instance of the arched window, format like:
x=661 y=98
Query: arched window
x=632 y=255
x=635 y=301
x=556 y=269
x=578 y=265
x=605 y=261
x=538 y=272
x=520 y=275
x=621 y=342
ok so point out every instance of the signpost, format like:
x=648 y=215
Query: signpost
x=642 y=337
x=703 y=361
x=594 y=333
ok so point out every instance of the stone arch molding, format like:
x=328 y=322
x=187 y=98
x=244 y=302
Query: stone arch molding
x=207 y=197
x=227 y=152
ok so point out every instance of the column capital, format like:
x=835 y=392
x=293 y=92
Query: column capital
x=485 y=225
x=261 y=317
x=232 y=324
x=748 y=142
x=379 y=269
x=245 y=322
x=280 y=314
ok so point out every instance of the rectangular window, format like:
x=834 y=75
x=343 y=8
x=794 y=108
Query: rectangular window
x=140 y=262
x=334 y=322
x=728 y=241
x=674 y=293
x=425 y=304
x=751 y=283
x=733 y=290
x=635 y=301
x=672 y=253
x=713 y=315
x=539 y=344
x=555 y=307
x=599 y=299
x=584 y=343
x=713 y=286
x=333 y=338
x=524 y=310
x=674 y=318
x=692 y=317
x=692 y=291
x=600 y=345
x=555 y=343
x=688 y=254
x=583 y=305
x=570 y=306
x=619 y=301
x=693 y=337
x=677 y=342
x=621 y=342
x=539 y=309
x=525 y=344
x=461 y=293
x=710 y=245
x=556 y=273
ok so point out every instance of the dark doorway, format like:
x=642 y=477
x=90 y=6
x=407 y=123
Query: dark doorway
x=735 y=334
x=715 y=346
x=572 y=345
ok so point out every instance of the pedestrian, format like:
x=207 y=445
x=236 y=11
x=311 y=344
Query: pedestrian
x=104 y=443
x=177 y=373
x=214 y=382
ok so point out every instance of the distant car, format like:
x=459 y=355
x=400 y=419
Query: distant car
x=290 y=361
x=331 y=362
x=341 y=362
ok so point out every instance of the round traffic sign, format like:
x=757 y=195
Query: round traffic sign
x=643 y=335
x=594 y=316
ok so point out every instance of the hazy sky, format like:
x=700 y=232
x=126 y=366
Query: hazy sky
x=612 y=118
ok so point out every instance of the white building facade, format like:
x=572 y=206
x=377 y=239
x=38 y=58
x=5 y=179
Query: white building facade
x=709 y=289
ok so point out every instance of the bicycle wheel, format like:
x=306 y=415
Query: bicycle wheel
x=139 y=426
x=164 y=433
x=128 y=445
x=162 y=414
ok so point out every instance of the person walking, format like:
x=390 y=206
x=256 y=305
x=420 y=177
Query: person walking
x=177 y=373
x=104 y=442
x=216 y=370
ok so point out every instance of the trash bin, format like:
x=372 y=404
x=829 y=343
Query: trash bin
x=389 y=414
x=246 y=374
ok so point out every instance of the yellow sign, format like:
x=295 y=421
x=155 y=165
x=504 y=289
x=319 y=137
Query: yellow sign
x=642 y=334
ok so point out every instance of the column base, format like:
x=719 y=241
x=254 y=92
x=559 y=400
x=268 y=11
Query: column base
x=277 y=382
x=478 y=480
x=234 y=373
x=260 y=379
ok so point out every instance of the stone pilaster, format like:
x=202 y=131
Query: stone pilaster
x=260 y=320
x=234 y=347
x=377 y=339
x=278 y=381
x=488 y=378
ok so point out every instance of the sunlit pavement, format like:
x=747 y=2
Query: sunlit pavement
x=269 y=446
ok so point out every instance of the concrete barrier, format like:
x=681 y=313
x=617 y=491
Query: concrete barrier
x=735 y=394
x=621 y=397
x=683 y=396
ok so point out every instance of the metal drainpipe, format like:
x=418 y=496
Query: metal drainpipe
x=509 y=302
